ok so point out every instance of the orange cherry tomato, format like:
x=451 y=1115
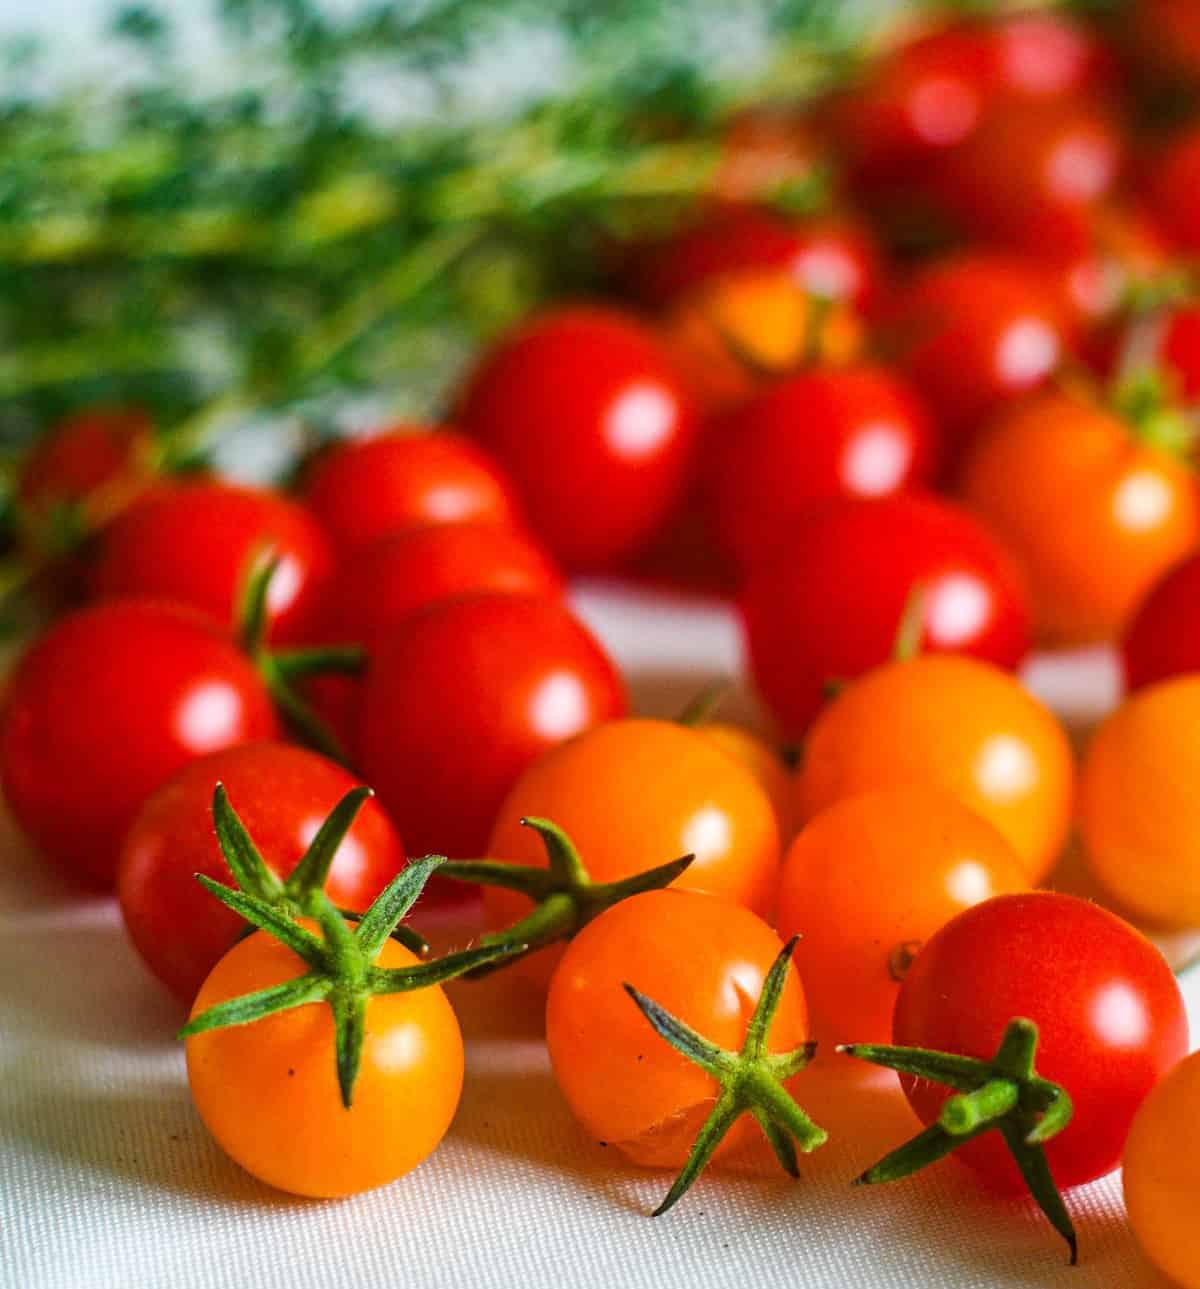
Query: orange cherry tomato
x=1162 y=1174
x=268 y=1091
x=867 y=882
x=954 y=723
x=702 y=959
x=633 y=794
x=764 y=762
x=1138 y=809
x=1095 y=513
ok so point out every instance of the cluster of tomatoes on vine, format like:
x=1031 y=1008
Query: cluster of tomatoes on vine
x=910 y=446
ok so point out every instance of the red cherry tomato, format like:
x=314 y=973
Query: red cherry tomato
x=829 y=606
x=1163 y=637
x=1166 y=341
x=1173 y=191
x=105 y=707
x=586 y=411
x=1110 y=1017
x=833 y=257
x=282 y=794
x=974 y=332
x=405 y=477
x=855 y=431
x=1165 y=36
x=462 y=697
x=196 y=542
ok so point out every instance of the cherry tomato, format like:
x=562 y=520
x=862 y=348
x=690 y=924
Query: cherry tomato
x=1137 y=811
x=282 y=794
x=1163 y=636
x=867 y=882
x=1166 y=341
x=832 y=258
x=1110 y=1017
x=1133 y=511
x=764 y=763
x=1162 y=1171
x=268 y=1091
x=406 y=476
x=634 y=794
x=828 y=607
x=857 y=432
x=952 y=723
x=1173 y=191
x=462 y=697
x=196 y=542
x=974 y=332
x=702 y=959
x=1165 y=36
x=106 y=706
x=589 y=415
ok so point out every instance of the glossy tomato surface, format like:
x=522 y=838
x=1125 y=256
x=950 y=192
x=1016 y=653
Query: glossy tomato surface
x=1138 y=815
x=588 y=414
x=462 y=697
x=867 y=882
x=1110 y=1018
x=197 y=542
x=1131 y=511
x=1163 y=637
x=852 y=432
x=404 y=477
x=282 y=795
x=268 y=1091
x=952 y=723
x=105 y=707
x=703 y=960
x=829 y=606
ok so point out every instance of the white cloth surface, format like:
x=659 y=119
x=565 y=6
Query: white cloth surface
x=108 y=1179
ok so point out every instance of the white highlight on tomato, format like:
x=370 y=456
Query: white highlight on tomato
x=876 y=461
x=707 y=833
x=958 y=607
x=285 y=585
x=559 y=706
x=1005 y=768
x=944 y=111
x=210 y=717
x=969 y=883
x=1119 y=1016
x=350 y=857
x=640 y=421
x=1142 y=500
x=449 y=503
x=1028 y=352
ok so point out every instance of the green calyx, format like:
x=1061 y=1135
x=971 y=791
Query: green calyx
x=294 y=895
x=751 y=1081
x=565 y=897
x=341 y=964
x=1144 y=397
x=282 y=670
x=1004 y=1093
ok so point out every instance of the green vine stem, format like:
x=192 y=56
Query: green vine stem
x=341 y=964
x=564 y=895
x=295 y=894
x=703 y=707
x=751 y=1081
x=1005 y=1094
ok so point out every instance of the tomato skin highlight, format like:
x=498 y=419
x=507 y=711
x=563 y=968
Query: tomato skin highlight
x=103 y=708
x=195 y=542
x=848 y=432
x=586 y=411
x=952 y=723
x=462 y=697
x=702 y=959
x=875 y=874
x=1110 y=1016
x=405 y=477
x=828 y=607
x=1161 y=1178
x=282 y=794
x=268 y=1091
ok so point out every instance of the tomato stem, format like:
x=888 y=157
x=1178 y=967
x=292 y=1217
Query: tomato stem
x=751 y=1081
x=911 y=628
x=703 y=707
x=1004 y=1093
x=565 y=897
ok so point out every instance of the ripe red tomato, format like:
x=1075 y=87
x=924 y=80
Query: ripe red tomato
x=590 y=417
x=282 y=794
x=1173 y=191
x=832 y=257
x=829 y=606
x=105 y=707
x=974 y=332
x=1165 y=36
x=404 y=477
x=851 y=432
x=1109 y=1013
x=195 y=542
x=462 y=697
x=1163 y=636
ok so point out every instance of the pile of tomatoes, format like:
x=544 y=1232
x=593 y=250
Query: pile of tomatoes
x=945 y=418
